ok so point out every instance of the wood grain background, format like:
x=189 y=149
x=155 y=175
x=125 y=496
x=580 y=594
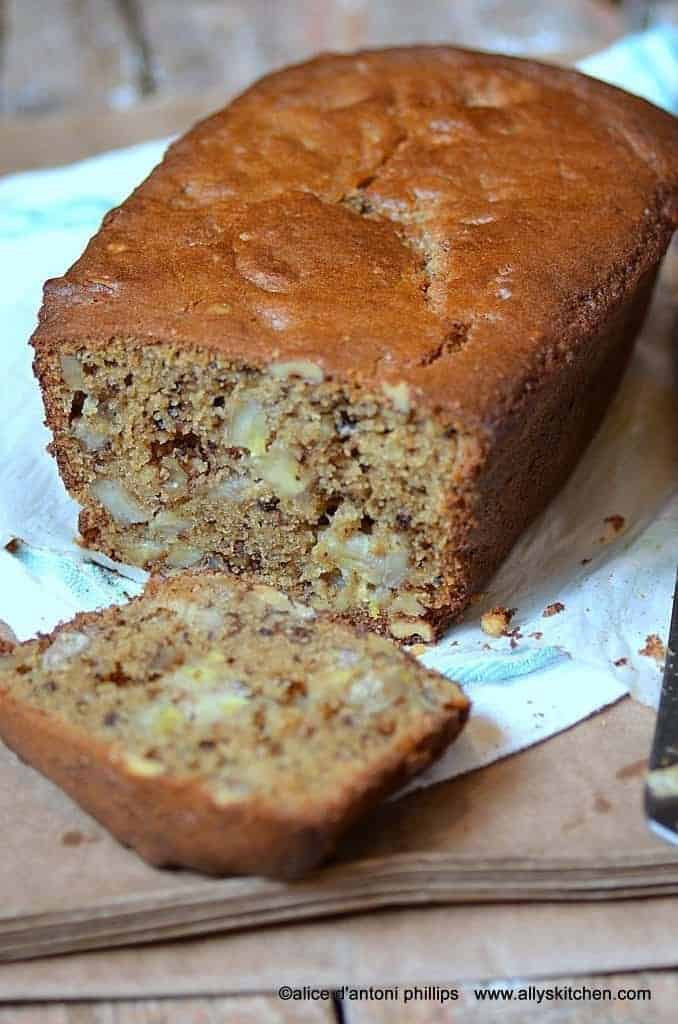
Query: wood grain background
x=81 y=76
x=269 y=1009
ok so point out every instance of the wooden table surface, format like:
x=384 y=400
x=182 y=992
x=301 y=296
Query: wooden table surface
x=79 y=76
x=269 y=1009
x=82 y=76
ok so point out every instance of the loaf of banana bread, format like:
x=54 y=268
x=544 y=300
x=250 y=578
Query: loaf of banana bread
x=219 y=725
x=355 y=330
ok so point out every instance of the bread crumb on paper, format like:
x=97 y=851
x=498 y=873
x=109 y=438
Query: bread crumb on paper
x=654 y=648
x=553 y=609
x=496 y=621
x=614 y=525
x=621 y=662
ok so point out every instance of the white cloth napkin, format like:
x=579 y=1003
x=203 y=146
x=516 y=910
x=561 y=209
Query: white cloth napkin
x=605 y=549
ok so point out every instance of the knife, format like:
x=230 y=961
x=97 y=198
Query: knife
x=661 y=784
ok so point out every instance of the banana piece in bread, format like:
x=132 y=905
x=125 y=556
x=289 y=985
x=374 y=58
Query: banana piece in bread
x=220 y=726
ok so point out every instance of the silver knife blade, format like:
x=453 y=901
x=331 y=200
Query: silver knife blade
x=661 y=784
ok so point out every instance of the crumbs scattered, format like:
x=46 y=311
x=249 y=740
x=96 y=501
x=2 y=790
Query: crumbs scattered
x=615 y=524
x=585 y=561
x=76 y=838
x=601 y=804
x=621 y=662
x=553 y=609
x=654 y=648
x=12 y=546
x=536 y=636
x=496 y=621
x=72 y=838
x=632 y=770
x=514 y=636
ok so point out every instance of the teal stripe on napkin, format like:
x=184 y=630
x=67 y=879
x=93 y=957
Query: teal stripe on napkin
x=493 y=666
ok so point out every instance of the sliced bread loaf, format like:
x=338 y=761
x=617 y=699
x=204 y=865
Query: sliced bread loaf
x=217 y=725
x=354 y=332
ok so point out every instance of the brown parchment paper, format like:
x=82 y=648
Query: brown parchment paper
x=575 y=799
x=438 y=946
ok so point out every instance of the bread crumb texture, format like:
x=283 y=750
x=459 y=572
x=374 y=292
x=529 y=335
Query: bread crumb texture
x=337 y=496
x=239 y=693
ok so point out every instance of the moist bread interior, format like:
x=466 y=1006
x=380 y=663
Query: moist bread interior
x=238 y=687
x=335 y=494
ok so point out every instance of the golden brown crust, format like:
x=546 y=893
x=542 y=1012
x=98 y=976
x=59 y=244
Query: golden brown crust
x=170 y=823
x=488 y=211
x=173 y=819
x=540 y=443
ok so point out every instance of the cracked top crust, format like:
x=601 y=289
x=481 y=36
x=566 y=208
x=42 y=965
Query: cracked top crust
x=431 y=215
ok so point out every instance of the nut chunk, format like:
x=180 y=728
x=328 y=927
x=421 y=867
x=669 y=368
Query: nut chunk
x=222 y=726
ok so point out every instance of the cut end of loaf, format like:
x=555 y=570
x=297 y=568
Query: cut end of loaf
x=222 y=726
x=338 y=495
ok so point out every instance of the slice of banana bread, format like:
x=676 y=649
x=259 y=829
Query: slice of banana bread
x=354 y=332
x=217 y=725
